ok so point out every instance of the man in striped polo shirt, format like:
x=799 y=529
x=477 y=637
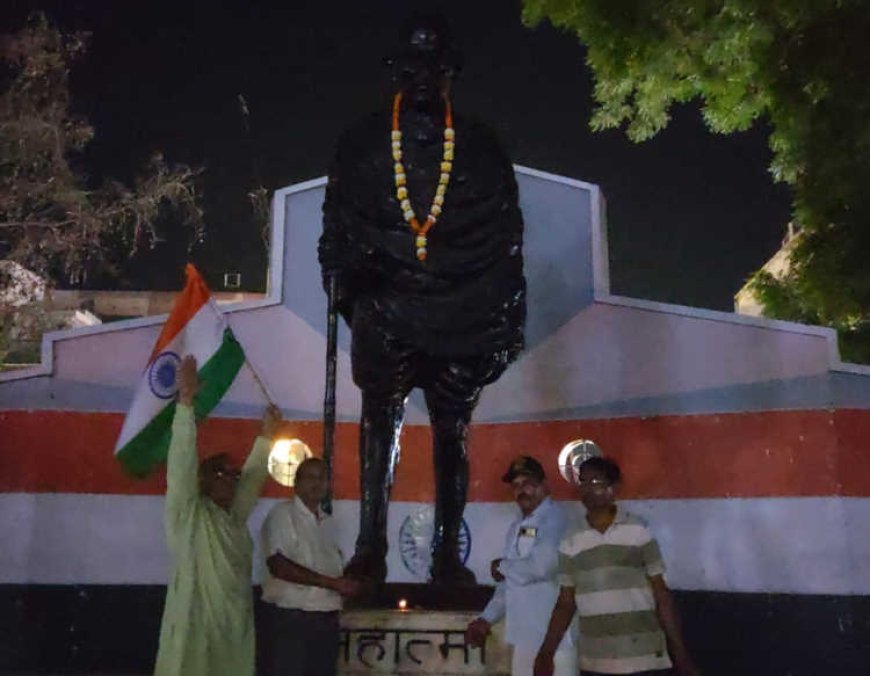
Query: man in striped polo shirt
x=611 y=572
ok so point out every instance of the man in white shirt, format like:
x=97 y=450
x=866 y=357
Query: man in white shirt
x=303 y=586
x=526 y=575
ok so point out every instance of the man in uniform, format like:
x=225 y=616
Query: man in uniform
x=526 y=575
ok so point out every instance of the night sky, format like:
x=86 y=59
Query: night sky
x=690 y=214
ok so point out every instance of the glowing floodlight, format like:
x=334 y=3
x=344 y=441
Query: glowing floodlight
x=574 y=454
x=284 y=459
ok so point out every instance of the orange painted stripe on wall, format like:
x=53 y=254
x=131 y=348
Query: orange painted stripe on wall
x=853 y=460
x=763 y=454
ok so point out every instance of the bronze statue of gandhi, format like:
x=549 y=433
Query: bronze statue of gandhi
x=422 y=239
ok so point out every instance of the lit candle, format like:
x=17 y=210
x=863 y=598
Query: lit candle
x=403 y=605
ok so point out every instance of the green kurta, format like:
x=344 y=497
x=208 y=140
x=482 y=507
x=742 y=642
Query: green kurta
x=208 y=621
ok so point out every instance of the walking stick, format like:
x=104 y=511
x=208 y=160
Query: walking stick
x=329 y=390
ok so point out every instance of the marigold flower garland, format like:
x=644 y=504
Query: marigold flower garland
x=419 y=230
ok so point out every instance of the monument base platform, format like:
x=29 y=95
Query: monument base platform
x=380 y=641
x=400 y=628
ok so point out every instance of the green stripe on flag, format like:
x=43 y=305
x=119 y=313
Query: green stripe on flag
x=150 y=446
x=217 y=374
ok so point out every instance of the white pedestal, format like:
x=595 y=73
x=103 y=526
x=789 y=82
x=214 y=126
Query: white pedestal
x=416 y=642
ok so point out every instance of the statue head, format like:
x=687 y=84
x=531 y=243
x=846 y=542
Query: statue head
x=425 y=61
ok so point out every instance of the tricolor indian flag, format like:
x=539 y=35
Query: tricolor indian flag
x=195 y=326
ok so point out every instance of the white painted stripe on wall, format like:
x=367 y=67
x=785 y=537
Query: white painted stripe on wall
x=784 y=545
x=788 y=545
x=74 y=538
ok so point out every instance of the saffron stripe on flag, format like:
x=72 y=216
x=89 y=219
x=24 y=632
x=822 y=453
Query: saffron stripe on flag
x=149 y=447
x=187 y=304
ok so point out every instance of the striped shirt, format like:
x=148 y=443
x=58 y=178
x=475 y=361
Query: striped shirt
x=609 y=572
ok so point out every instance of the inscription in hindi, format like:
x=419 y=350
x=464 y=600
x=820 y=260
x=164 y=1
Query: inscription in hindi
x=414 y=642
x=378 y=649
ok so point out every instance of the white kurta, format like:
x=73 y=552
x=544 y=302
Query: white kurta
x=208 y=620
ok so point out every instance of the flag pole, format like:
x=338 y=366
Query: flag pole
x=257 y=379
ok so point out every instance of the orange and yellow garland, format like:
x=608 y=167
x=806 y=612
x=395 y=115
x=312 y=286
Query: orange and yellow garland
x=401 y=180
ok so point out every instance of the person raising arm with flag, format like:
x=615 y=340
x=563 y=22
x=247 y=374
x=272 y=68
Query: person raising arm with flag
x=208 y=619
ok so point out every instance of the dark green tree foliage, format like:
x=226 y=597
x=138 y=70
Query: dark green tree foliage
x=55 y=219
x=52 y=215
x=802 y=66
